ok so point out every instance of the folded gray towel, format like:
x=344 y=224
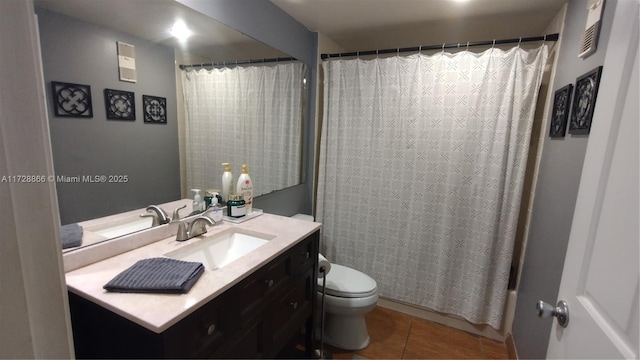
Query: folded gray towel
x=71 y=235
x=157 y=275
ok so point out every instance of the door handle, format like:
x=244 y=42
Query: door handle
x=560 y=311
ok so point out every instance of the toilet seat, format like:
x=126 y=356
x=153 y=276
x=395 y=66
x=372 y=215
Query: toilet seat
x=346 y=282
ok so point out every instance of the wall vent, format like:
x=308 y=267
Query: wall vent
x=127 y=62
x=589 y=39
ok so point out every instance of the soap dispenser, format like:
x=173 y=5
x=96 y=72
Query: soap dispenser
x=198 y=205
x=215 y=211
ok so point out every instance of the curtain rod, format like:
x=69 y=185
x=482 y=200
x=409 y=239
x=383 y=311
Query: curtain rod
x=550 y=37
x=238 y=62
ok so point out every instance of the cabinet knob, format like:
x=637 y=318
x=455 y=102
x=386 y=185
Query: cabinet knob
x=269 y=283
x=210 y=329
x=294 y=305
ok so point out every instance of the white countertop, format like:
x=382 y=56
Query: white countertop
x=157 y=312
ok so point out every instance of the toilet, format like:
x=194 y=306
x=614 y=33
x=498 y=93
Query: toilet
x=349 y=295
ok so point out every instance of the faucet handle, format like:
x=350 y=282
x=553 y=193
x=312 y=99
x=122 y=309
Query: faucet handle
x=176 y=213
x=182 y=234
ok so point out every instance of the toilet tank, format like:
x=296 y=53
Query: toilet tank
x=304 y=217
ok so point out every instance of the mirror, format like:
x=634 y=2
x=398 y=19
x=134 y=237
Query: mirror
x=109 y=166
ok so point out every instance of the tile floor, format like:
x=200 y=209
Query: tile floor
x=395 y=335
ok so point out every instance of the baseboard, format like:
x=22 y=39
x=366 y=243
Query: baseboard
x=511 y=348
x=440 y=318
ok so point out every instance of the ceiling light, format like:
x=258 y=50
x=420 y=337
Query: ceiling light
x=180 y=31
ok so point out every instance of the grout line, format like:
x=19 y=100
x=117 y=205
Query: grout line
x=406 y=341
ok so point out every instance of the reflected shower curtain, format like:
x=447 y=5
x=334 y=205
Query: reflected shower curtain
x=422 y=163
x=244 y=115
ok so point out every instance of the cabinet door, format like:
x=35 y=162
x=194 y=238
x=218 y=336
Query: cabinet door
x=288 y=314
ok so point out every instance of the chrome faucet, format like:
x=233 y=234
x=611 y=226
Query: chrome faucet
x=163 y=218
x=153 y=216
x=188 y=230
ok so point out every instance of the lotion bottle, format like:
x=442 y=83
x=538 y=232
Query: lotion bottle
x=244 y=187
x=227 y=182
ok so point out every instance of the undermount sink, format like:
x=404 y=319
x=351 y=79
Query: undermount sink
x=221 y=249
x=122 y=227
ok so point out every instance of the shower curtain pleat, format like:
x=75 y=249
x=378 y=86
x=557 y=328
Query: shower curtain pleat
x=422 y=162
x=244 y=115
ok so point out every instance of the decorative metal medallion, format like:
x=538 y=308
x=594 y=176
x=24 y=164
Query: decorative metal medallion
x=71 y=100
x=120 y=105
x=561 y=107
x=584 y=101
x=155 y=109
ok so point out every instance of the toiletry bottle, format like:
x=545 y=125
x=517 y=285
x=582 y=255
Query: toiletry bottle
x=227 y=182
x=197 y=200
x=236 y=206
x=245 y=188
x=215 y=210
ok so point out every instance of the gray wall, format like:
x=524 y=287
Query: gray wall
x=77 y=52
x=556 y=191
x=265 y=22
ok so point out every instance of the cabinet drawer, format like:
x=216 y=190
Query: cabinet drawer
x=288 y=313
x=266 y=282
x=302 y=255
x=201 y=332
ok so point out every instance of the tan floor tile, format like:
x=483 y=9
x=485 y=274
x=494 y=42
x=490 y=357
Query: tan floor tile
x=428 y=340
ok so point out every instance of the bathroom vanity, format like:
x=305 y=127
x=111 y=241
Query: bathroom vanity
x=254 y=307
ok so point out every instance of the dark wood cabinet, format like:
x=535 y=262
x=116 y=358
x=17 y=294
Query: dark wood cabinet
x=256 y=318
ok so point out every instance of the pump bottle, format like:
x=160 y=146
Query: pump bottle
x=244 y=187
x=227 y=182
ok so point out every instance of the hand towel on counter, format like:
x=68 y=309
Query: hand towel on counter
x=323 y=262
x=157 y=275
x=71 y=235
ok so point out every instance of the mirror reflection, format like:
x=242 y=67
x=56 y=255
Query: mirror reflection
x=173 y=138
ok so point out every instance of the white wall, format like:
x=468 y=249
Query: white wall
x=34 y=315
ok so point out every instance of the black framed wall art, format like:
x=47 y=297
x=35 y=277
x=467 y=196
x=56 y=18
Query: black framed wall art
x=120 y=105
x=561 y=109
x=71 y=100
x=155 y=109
x=584 y=101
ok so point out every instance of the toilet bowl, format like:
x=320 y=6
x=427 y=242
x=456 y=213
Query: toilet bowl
x=349 y=295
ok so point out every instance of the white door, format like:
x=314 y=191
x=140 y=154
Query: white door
x=601 y=274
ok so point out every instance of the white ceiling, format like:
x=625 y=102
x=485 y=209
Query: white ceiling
x=355 y=24
x=351 y=24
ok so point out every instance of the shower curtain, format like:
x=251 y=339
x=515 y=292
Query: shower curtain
x=422 y=163
x=244 y=115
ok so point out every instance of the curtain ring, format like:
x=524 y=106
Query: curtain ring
x=519 y=41
x=443 y=47
x=376 y=53
x=494 y=43
x=467 y=46
x=420 y=50
x=545 y=38
x=398 y=52
x=358 y=54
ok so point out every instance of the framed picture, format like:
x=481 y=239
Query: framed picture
x=120 y=105
x=560 y=115
x=71 y=100
x=155 y=109
x=584 y=101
